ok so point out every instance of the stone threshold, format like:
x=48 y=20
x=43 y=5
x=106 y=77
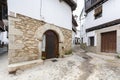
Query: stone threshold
x=102 y=56
x=12 y=68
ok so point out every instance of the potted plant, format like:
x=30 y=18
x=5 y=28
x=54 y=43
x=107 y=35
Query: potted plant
x=43 y=56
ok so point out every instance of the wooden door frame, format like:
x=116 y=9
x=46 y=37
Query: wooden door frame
x=57 y=46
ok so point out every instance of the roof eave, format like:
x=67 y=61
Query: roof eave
x=71 y=3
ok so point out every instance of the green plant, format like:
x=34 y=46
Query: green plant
x=68 y=52
x=118 y=56
x=43 y=57
x=83 y=46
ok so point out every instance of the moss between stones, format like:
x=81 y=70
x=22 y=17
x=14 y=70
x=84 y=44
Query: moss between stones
x=68 y=52
x=118 y=56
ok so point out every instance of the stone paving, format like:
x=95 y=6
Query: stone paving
x=99 y=66
x=67 y=68
x=80 y=65
x=3 y=50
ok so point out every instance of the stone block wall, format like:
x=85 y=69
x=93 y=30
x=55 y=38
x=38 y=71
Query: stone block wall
x=67 y=40
x=118 y=40
x=23 y=44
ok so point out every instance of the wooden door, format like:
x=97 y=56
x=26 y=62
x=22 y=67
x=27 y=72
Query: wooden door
x=51 y=44
x=108 y=42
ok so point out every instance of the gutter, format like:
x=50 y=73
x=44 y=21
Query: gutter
x=71 y=3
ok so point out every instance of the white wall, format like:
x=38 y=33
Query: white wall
x=26 y=7
x=110 y=12
x=77 y=34
x=51 y=11
x=3 y=37
x=82 y=27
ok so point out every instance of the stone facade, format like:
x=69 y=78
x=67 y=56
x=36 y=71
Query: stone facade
x=25 y=38
x=91 y=49
x=97 y=48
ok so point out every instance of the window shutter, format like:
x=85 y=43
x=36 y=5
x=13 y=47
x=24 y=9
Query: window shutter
x=98 y=10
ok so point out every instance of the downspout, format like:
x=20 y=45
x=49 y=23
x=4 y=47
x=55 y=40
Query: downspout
x=41 y=17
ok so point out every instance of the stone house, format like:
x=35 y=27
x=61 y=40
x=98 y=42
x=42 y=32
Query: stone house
x=3 y=22
x=101 y=28
x=39 y=29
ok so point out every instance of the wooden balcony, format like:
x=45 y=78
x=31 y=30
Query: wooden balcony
x=90 y=4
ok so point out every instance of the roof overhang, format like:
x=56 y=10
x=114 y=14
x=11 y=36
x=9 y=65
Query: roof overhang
x=74 y=22
x=74 y=29
x=71 y=3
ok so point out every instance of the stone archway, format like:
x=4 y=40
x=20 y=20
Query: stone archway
x=39 y=36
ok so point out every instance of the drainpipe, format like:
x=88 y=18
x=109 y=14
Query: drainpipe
x=41 y=9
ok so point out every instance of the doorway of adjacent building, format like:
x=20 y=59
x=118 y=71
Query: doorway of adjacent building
x=3 y=27
x=108 y=42
x=52 y=43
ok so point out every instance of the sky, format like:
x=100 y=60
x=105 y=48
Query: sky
x=80 y=5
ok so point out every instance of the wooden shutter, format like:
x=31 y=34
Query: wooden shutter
x=98 y=10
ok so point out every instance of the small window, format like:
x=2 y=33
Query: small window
x=43 y=43
x=87 y=0
x=0 y=12
x=93 y=1
x=82 y=40
x=98 y=12
x=4 y=12
x=91 y=41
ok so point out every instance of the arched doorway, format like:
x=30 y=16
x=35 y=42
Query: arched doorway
x=51 y=44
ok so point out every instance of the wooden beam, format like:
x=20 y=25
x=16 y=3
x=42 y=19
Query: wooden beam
x=105 y=25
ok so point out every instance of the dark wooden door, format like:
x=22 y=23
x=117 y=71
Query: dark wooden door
x=51 y=44
x=108 y=42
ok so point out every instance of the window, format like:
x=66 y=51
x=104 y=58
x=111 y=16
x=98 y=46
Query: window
x=82 y=40
x=3 y=10
x=91 y=41
x=98 y=12
x=87 y=0
x=0 y=12
x=93 y=1
x=43 y=43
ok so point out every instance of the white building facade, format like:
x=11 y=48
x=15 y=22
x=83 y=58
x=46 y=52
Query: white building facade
x=39 y=29
x=102 y=26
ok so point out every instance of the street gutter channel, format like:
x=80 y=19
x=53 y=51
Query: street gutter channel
x=86 y=67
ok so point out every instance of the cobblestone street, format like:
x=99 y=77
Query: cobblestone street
x=3 y=66
x=80 y=65
x=99 y=67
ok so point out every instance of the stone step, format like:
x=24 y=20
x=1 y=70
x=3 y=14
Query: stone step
x=102 y=56
x=23 y=65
